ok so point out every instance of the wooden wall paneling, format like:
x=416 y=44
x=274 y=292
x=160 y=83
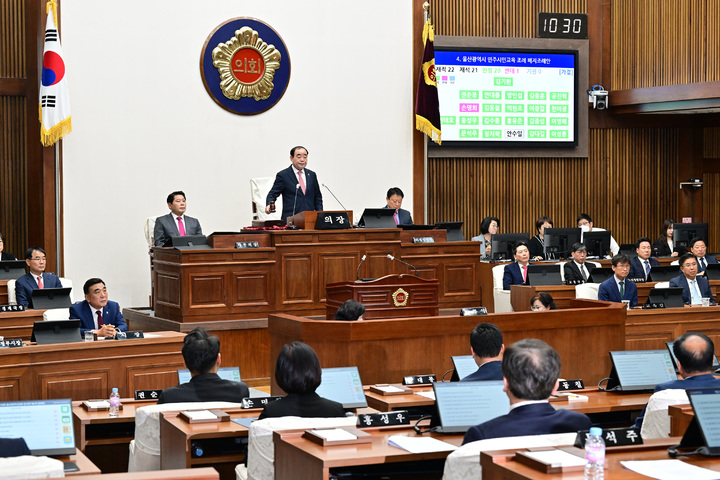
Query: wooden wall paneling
x=711 y=143
x=711 y=208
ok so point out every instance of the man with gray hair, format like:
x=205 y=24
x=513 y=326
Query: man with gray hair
x=530 y=371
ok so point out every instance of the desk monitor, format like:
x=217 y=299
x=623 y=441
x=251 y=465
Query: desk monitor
x=628 y=249
x=46 y=425
x=704 y=427
x=671 y=297
x=669 y=345
x=544 y=274
x=12 y=269
x=462 y=405
x=712 y=271
x=664 y=273
x=503 y=244
x=640 y=370
x=454 y=230
x=559 y=241
x=189 y=242
x=600 y=274
x=342 y=385
x=226 y=373
x=464 y=366
x=56 y=331
x=44 y=298
x=597 y=243
x=683 y=233
x=378 y=218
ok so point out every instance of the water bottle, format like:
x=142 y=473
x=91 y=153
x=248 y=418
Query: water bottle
x=595 y=455
x=114 y=403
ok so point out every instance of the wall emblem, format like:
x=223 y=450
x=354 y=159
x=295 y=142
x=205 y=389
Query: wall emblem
x=400 y=298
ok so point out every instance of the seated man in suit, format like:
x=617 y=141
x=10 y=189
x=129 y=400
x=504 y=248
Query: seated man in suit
x=617 y=288
x=394 y=200
x=486 y=347
x=175 y=223
x=516 y=273
x=585 y=223
x=201 y=352
x=298 y=186
x=641 y=265
x=695 y=353
x=578 y=269
x=96 y=312
x=530 y=370
x=699 y=249
x=36 y=278
x=695 y=288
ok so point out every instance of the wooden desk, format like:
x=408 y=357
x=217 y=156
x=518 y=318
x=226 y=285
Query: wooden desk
x=19 y=324
x=680 y=417
x=297 y=458
x=85 y=370
x=3 y=292
x=207 y=473
x=84 y=464
x=650 y=329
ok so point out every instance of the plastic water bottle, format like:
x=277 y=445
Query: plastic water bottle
x=595 y=455
x=114 y=403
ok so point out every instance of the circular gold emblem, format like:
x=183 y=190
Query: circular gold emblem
x=400 y=298
x=246 y=65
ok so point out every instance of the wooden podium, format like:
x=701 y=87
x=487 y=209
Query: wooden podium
x=390 y=296
x=306 y=220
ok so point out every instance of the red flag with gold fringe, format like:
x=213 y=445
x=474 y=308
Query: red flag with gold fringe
x=427 y=107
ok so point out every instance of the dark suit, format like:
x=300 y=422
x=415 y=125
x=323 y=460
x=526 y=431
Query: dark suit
x=698 y=381
x=285 y=182
x=532 y=419
x=110 y=312
x=637 y=267
x=13 y=447
x=487 y=371
x=662 y=249
x=702 y=283
x=26 y=284
x=609 y=292
x=708 y=259
x=572 y=271
x=308 y=405
x=206 y=387
x=404 y=217
x=6 y=256
x=513 y=276
x=166 y=227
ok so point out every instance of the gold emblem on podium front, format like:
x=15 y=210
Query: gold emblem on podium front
x=400 y=298
x=246 y=65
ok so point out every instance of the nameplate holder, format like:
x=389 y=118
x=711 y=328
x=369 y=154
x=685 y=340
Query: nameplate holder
x=129 y=335
x=638 y=280
x=147 y=394
x=574 y=282
x=12 y=308
x=423 y=240
x=242 y=245
x=653 y=305
x=473 y=311
x=258 y=402
x=11 y=343
x=388 y=419
x=614 y=437
x=333 y=221
x=419 y=379
x=565 y=385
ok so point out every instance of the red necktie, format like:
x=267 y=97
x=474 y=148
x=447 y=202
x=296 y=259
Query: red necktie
x=100 y=320
x=181 y=227
x=40 y=282
x=302 y=182
x=397 y=221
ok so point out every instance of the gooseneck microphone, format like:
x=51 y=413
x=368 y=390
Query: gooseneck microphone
x=336 y=198
x=404 y=263
x=292 y=226
x=362 y=260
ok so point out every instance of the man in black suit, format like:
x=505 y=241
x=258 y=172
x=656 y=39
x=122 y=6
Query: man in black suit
x=486 y=347
x=641 y=265
x=36 y=278
x=201 y=352
x=699 y=249
x=695 y=288
x=394 y=200
x=530 y=372
x=516 y=273
x=298 y=186
x=577 y=269
x=175 y=223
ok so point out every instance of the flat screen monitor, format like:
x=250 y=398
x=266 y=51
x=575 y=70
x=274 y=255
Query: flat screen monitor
x=683 y=233
x=544 y=274
x=559 y=241
x=600 y=274
x=56 y=331
x=664 y=273
x=503 y=244
x=597 y=243
x=712 y=271
x=462 y=405
x=46 y=425
x=642 y=369
x=190 y=242
x=44 y=298
x=628 y=249
x=226 y=373
x=454 y=230
x=378 y=218
x=706 y=404
x=12 y=269
x=464 y=365
x=669 y=345
x=671 y=297
x=342 y=385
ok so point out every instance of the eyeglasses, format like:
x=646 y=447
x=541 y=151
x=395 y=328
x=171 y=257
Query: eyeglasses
x=39 y=259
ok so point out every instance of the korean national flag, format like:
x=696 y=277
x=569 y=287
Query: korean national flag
x=54 y=99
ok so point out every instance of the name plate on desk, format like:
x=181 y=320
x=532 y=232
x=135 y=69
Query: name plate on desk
x=423 y=240
x=129 y=335
x=419 y=379
x=11 y=343
x=258 y=402
x=638 y=280
x=652 y=305
x=574 y=282
x=471 y=312
x=12 y=308
x=147 y=394
x=398 y=417
x=614 y=437
x=332 y=221
x=570 y=385
x=247 y=245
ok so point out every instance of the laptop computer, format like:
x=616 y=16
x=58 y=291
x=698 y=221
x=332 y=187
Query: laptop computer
x=640 y=370
x=378 y=218
x=56 y=331
x=464 y=366
x=671 y=297
x=226 y=373
x=703 y=433
x=669 y=345
x=461 y=405
x=600 y=274
x=342 y=385
x=12 y=269
x=45 y=298
x=46 y=426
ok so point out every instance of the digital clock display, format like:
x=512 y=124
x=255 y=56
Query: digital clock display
x=562 y=25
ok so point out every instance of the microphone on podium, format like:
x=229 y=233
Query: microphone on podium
x=403 y=262
x=336 y=198
x=292 y=226
x=362 y=260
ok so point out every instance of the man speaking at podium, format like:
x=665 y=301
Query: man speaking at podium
x=298 y=186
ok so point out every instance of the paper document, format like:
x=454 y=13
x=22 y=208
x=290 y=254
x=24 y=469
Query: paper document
x=389 y=389
x=98 y=404
x=334 y=434
x=201 y=415
x=429 y=394
x=670 y=470
x=556 y=458
x=420 y=444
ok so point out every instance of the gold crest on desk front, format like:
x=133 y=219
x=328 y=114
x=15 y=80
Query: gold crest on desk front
x=246 y=65
x=400 y=298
